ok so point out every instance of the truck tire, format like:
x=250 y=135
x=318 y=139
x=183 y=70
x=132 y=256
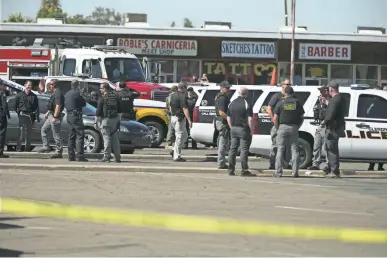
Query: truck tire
x=306 y=153
x=93 y=141
x=159 y=132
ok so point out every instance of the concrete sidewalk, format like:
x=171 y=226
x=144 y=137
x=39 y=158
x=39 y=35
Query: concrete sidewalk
x=161 y=155
x=165 y=166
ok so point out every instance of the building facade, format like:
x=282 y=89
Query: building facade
x=238 y=56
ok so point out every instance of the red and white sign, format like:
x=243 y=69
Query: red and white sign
x=325 y=52
x=160 y=47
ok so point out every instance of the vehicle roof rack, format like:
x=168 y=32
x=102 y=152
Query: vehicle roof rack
x=82 y=75
x=107 y=48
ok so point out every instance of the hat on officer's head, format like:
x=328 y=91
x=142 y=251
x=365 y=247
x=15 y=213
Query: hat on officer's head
x=174 y=88
x=333 y=85
x=323 y=88
x=74 y=83
x=182 y=85
x=122 y=85
x=225 y=84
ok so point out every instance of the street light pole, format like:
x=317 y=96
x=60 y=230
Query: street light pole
x=292 y=47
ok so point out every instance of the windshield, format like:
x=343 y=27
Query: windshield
x=124 y=69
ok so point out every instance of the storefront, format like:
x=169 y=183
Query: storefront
x=171 y=59
x=349 y=63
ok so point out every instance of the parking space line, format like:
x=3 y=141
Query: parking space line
x=325 y=211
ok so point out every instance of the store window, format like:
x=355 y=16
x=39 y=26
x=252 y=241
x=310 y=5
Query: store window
x=371 y=106
x=239 y=72
x=383 y=75
x=186 y=69
x=367 y=74
x=342 y=74
x=284 y=73
x=316 y=74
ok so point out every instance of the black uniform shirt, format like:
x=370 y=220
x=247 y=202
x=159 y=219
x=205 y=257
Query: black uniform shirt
x=57 y=98
x=222 y=102
x=335 y=112
x=274 y=100
x=99 y=112
x=239 y=111
x=178 y=103
x=27 y=103
x=74 y=101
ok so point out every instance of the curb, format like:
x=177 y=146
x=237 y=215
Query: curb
x=150 y=169
x=34 y=155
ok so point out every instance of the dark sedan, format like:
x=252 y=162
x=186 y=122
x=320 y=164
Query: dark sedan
x=133 y=135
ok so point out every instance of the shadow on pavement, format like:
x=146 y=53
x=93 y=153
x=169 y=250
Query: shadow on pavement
x=11 y=253
x=5 y=226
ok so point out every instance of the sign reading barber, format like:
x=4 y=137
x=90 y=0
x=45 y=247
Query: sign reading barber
x=248 y=49
x=338 y=52
x=160 y=47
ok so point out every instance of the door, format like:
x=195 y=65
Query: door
x=369 y=129
x=13 y=124
x=161 y=71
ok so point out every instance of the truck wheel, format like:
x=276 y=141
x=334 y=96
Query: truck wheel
x=306 y=153
x=158 y=133
x=93 y=142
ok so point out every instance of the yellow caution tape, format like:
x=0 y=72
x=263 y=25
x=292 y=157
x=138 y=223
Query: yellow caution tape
x=188 y=223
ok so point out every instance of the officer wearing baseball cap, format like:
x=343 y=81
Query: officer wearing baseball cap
x=319 y=110
x=335 y=127
x=222 y=100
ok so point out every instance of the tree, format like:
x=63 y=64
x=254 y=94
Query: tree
x=105 y=16
x=173 y=24
x=188 y=23
x=50 y=9
x=77 y=19
x=19 y=18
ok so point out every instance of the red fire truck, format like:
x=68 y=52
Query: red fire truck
x=107 y=62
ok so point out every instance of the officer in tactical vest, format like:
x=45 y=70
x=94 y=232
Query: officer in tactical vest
x=4 y=117
x=288 y=117
x=192 y=97
x=320 y=110
x=74 y=103
x=108 y=116
x=179 y=114
x=222 y=100
x=126 y=98
x=171 y=131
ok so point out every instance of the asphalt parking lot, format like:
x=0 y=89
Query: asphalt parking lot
x=356 y=202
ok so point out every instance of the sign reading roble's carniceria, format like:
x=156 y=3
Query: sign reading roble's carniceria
x=248 y=49
x=162 y=47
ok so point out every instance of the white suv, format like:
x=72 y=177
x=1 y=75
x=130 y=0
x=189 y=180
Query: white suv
x=366 y=124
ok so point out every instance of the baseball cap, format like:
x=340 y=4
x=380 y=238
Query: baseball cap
x=225 y=84
x=289 y=90
x=322 y=88
x=333 y=85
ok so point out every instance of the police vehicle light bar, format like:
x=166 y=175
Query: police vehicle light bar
x=81 y=75
x=360 y=86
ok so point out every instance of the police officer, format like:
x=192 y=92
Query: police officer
x=273 y=133
x=108 y=116
x=27 y=109
x=320 y=110
x=288 y=117
x=4 y=118
x=54 y=119
x=222 y=100
x=179 y=114
x=126 y=98
x=74 y=103
x=171 y=131
x=239 y=119
x=192 y=97
x=335 y=127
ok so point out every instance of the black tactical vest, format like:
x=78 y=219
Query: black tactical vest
x=110 y=103
x=289 y=115
x=322 y=111
x=126 y=101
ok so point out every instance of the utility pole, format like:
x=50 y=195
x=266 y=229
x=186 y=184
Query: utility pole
x=293 y=34
x=286 y=13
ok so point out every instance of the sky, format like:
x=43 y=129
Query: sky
x=260 y=15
